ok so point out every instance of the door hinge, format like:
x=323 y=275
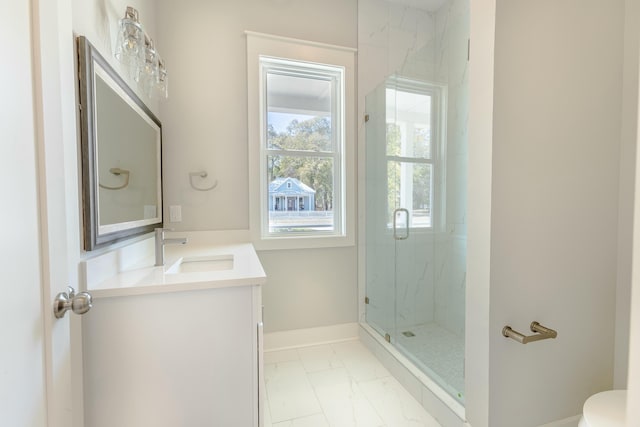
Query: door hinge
x=366 y=300
x=387 y=338
x=366 y=118
x=468 y=49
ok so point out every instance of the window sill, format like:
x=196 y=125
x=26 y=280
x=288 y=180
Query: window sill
x=302 y=242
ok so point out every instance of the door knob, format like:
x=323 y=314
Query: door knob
x=79 y=303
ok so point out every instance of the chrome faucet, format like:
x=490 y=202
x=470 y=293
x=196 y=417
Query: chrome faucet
x=161 y=241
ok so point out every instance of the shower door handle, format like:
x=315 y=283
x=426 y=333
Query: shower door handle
x=397 y=214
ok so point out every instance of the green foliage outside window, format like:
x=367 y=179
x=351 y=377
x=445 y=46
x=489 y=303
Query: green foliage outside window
x=312 y=135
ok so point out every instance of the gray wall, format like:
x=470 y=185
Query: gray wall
x=97 y=20
x=205 y=128
x=626 y=192
x=556 y=147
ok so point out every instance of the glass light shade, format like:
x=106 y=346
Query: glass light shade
x=130 y=41
x=147 y=67
x=160 y=87
x=136 y=49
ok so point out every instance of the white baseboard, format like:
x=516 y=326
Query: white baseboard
x=312 y=336
x=567 y=422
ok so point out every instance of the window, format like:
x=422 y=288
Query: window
x=413 y=151
x=302 y=147
x=301 y=141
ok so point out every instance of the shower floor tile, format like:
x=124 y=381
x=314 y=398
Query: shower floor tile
x=341 y=384
x=436 y=349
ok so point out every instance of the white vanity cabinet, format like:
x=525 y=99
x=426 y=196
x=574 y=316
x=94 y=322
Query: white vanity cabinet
x=167 y=357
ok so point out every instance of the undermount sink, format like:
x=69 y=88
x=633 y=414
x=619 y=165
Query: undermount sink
x=202 y=264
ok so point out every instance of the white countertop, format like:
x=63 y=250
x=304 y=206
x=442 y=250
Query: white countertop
x=144 y=278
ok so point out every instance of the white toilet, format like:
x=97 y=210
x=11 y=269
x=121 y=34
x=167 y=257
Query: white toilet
x=606 y=409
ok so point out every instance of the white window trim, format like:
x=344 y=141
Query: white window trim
x=438 y=159
x=335 y=74
x=298 y=50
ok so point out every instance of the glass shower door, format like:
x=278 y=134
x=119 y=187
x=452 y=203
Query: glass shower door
x=412 y=263
x=399 y=188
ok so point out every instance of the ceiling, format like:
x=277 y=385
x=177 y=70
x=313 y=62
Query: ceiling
x=428 y=5
x=295 y=93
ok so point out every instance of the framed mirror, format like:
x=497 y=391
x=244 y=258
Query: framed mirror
x=121 y=144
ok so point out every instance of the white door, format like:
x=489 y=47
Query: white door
x=35 y=354
x=22 y=375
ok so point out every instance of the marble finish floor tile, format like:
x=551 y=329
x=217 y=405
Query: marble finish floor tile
x=319 y=358
x=280 y=356
x=359 y=361
x=336 y=385
x=342 y=401
x=395 y=405
x=289 y=392
x=317 y=420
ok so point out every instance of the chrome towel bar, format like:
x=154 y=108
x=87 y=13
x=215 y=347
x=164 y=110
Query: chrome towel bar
x=542 y=333
x=202 y=175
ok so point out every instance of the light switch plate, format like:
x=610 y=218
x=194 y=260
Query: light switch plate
x=175 y=213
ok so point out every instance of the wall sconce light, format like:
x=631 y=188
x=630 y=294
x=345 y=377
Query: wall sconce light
x=136 y=49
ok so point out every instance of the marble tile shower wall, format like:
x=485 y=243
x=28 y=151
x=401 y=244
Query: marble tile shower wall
x=452 y=35
x=416 y=259
x=430 y=270
x=393 y=39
